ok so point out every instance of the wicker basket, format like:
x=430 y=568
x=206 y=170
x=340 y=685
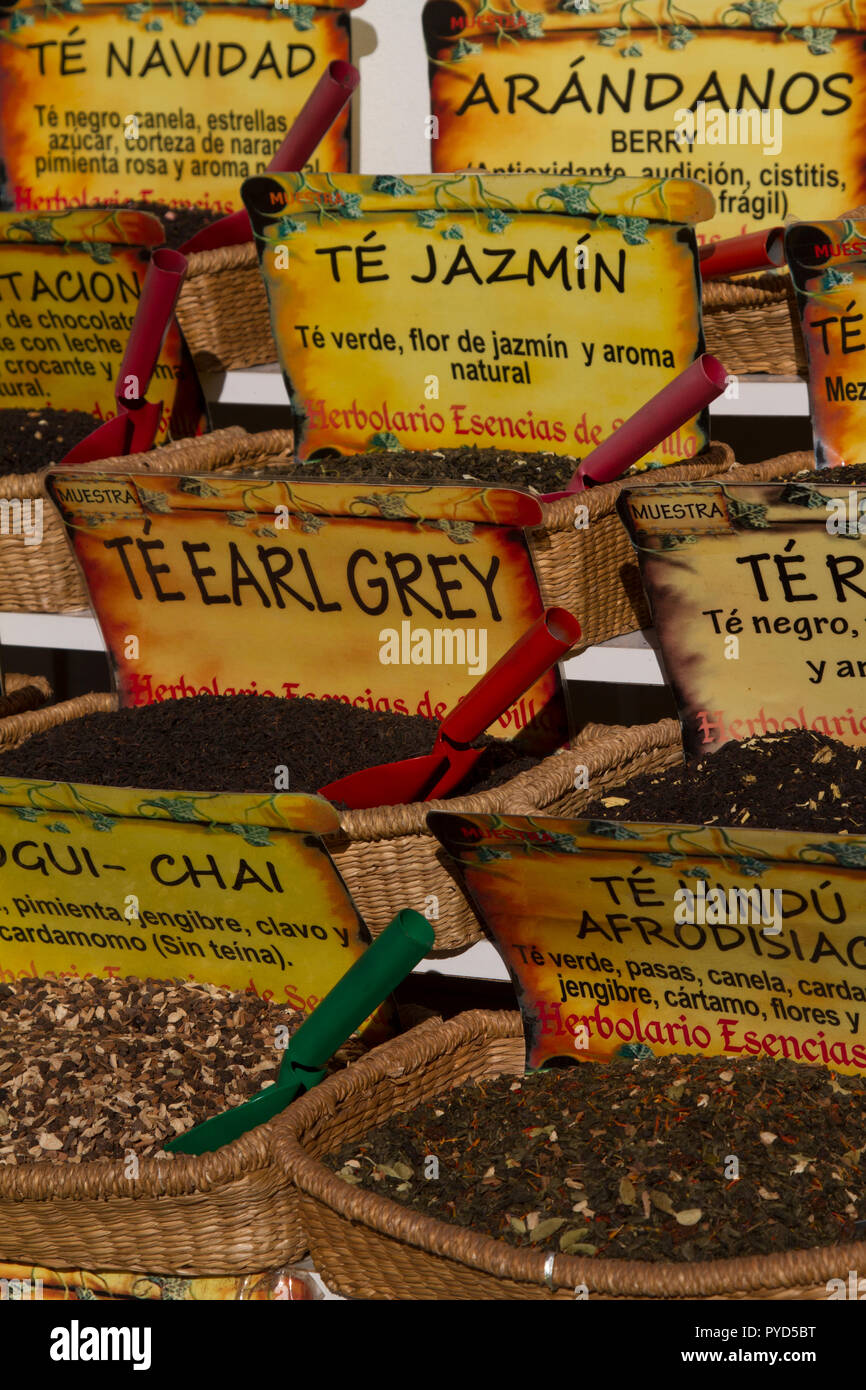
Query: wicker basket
x=14 y=685
x=17 y=728
x=388 y=858
x=367 y=1246
x=227 y=1212
x=231 y=1212
x=45 y=578
x=753 y=325
x=592 y=570
x=223 y=310
x=234 y=1211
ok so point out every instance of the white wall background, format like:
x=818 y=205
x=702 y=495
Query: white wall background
x=393 y=98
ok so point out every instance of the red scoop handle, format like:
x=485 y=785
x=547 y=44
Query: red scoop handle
x=677 y=402
x=159 y=295
x=549 y=637
x=316 y=116
x=736 y=255
x=311 y=125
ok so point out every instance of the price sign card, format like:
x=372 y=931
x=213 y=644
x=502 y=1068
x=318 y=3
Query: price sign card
x=69 y=288
x=628 y=940
x=758 y=595
x=514 y=313
x=238 y=891
x=385 y=597
x=168 y=102
x=762 y=102
x=828 y=264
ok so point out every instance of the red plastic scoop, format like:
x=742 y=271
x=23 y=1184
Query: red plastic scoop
x=677 y=402
x=134 y=427
x=438 y=773
x=311 y=125
x=738 y=254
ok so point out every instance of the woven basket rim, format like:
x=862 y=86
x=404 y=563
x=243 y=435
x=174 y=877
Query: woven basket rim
x=37 y=476
x=601 y=501
x=16 y=682
x=34 y=721
x=219 y=258
x=763 y=290
x=201 y=448
x=175 y=1175
x=411 y=1051
x=550 y=778
x=598 y=745
x=718 y=459
x=782 y=465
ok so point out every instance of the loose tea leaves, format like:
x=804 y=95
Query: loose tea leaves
x=26 y=697
x=179 y=224
x=846 y=473
x=35 y=439
x=792 y=781
x=633 y=1159
x=233 y=743
x=98 y=1068
x=537 y=472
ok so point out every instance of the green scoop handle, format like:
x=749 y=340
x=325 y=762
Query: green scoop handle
x=384 y=964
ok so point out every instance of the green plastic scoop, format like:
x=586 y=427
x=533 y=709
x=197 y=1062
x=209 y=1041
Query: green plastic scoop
x=353 y=998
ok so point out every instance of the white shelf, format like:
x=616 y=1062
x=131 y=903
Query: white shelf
x=249 y=386
x=766 y=396
x=629 y=660
x=77 y=632
x=758 y=395
x=479 y=962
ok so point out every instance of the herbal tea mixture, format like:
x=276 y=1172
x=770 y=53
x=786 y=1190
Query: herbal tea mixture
x=791 y=781
x=233 y=743
x=179 y=224
x=34 y=439
x=632 y=1159
x=538 y=472
x=97 y=1068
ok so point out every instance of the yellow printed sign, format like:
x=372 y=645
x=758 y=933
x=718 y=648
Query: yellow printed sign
x=381 y=596
x=631 y=940
x=175 y=103
x=758 y=597
x=604 y=90
x=237 y=891
x=29 y=1282
x=828 y=265
x=500 y=312
x=69 y=288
